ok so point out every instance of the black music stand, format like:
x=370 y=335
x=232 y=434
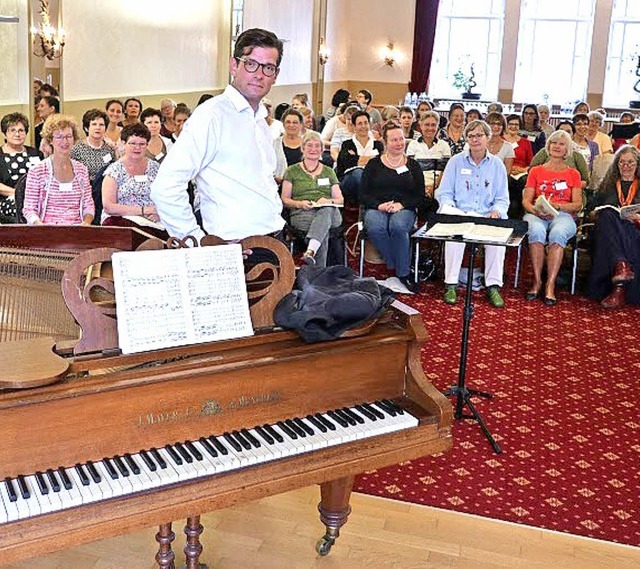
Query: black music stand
x=463 y=393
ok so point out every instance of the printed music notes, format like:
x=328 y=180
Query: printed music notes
x=180 y=296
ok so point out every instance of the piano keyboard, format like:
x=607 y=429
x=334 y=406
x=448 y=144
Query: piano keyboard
x=61 y=488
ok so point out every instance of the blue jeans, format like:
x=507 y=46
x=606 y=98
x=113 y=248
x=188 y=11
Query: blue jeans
x=559 y=229
x=390 y=234
x=350 y=185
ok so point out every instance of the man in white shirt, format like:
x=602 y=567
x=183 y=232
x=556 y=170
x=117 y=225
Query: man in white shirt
x=227 y=148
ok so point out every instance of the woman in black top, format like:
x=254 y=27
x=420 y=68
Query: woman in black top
x=15 y=161
x=392 y=190
x=615 y=270
x=289 y=146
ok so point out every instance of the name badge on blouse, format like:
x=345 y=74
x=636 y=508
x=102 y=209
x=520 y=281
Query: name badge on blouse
x=323 y=181
x=374 y=152
x=141 y=178
x=34 y=160
x=402 y=169
x=561 y=185
x=514 y=145
x=106 y=158
x=465 y=172
x=65 y=186
x=159 y=155
x=531 y=138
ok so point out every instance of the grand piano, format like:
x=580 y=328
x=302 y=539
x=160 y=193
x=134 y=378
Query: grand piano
x=98 y=444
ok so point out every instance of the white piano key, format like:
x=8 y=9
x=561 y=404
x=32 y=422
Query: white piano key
x=87 y=494
x=42 y=499
x=11 y=508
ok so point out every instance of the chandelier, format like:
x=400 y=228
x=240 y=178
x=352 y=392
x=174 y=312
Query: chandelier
x=48 y=41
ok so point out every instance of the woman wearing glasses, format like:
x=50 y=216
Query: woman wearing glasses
x=126 y=187
x=531 y=127
x=58 y=191
x=15 y=160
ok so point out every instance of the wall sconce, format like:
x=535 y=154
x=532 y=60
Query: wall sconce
x=48 y=41
x=389 y=55
x=323 y=52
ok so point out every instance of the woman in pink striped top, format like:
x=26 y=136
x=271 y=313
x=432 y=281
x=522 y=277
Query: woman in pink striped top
x=58 y=191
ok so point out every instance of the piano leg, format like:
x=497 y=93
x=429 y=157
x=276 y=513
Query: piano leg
x=193 y=547
x=334 y=510
x=165 y=555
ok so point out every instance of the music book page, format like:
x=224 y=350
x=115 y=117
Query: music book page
x=471 y=231
x=177 y=297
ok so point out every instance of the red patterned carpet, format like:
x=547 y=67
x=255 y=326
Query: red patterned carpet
x=565 y=403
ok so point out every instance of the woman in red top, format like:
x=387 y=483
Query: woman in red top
x=560 y=185
x=523 y=155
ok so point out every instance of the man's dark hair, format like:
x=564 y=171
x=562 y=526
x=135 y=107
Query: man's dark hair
x=257 y=37
x=339 y=97
x=204 y=97
x=367 y=95
x=52 y=102
x=48 y=90
x=280 y=110
x=359 y=113
x=137 y=129
x=91 y=115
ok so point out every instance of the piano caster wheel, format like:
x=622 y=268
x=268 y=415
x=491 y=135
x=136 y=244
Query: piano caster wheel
x=324 y=545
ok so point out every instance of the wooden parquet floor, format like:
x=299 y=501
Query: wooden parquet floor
x=280 y=532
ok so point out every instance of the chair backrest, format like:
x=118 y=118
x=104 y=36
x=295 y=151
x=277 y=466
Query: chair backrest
x=601 y=164
x=19 y=189
x=96 y=192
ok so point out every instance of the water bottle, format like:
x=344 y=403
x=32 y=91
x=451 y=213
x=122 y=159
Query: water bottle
x=407 y=99
x=414 y=100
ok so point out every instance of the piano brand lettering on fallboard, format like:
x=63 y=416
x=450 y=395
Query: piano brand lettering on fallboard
x=209 y=408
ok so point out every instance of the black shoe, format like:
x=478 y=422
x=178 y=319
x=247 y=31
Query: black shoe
x=409 y=284
x=550 y=301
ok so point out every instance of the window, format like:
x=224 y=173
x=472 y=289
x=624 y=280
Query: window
x=467 y=33
x=623 y=53
x=554 y=50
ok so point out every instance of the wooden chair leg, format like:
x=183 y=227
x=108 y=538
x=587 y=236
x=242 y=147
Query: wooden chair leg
x=193 y=547
x=165 y=556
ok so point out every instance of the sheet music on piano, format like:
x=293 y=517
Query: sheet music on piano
x=176 y=297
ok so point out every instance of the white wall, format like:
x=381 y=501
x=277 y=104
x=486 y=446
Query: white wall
x=117 y=47
x=336 y=69
x=14 y=75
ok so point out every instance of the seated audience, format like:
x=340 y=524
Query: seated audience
x=126 y=187
x=615 y=268
x=497 y=144
x=355 y=154
x=340 y=97
x=473 y=115
x=429 y=148
x=627 y=118
x=523 y=153
x=307 y=185
x=332 y=125
x=531 y=127
x=560 y=185
x=289 y=146
x=364 y=98
x=474 y=182
x=94 y=152
x=47 y=106
x=596 y=122
x=180 y=116
x=453 y=133
x=58 y=191
x=132 y=111
x=115 y=112
x=543 y=113
x=388 y=113
x=392 y=191
x=47 y=90
x=494 y=108
x=299 y=100
x=588 y=148
x=308 y=119
x=406 y=122
x=275 y=125
x=167 y=108
x=581 y=108
x=343 y=133
x=158 y=145
x=15 y=160
x=423 y=107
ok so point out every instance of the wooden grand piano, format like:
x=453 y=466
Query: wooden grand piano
x=116 y=443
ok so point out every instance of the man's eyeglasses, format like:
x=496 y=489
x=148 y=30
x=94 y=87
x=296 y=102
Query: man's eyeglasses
x=251 y=65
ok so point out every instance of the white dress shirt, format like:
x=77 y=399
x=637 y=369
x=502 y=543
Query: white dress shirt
x=227 y=148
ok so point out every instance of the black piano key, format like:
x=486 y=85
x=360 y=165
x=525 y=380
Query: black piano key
x=173 y=454
x=111 y=470
x=42 y=484
x=357 y=418
x=131 y=463
x=246 y=445
x=386 y=409
x=325 y=421
x=317 y=423
x=11 y=490
x=208 y=447
x=66 y=481
x=346 y=417
x=338 y=419
x=266 y=437
x=393 y=406
x=275 y=434
x=53 y=480
x=300 y=432
x=223 y=450
x=304 y=426
x=93 y=472
x=120 y=465
x=374 y=410
x=247 y=435
x=194 y=451
x=286 y=430
x=160 y=461
x=184 y=453
x=22 y=486
x=148 y=461
x=368 y=414
x=234 y=444
x=82 y=475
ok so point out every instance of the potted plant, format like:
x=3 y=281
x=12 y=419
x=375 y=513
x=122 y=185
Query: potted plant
x=635 y=104
x=462 y=80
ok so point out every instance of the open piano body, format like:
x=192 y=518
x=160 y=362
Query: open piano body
x=232 y=421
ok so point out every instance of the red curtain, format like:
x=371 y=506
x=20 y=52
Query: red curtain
x=423 y=38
